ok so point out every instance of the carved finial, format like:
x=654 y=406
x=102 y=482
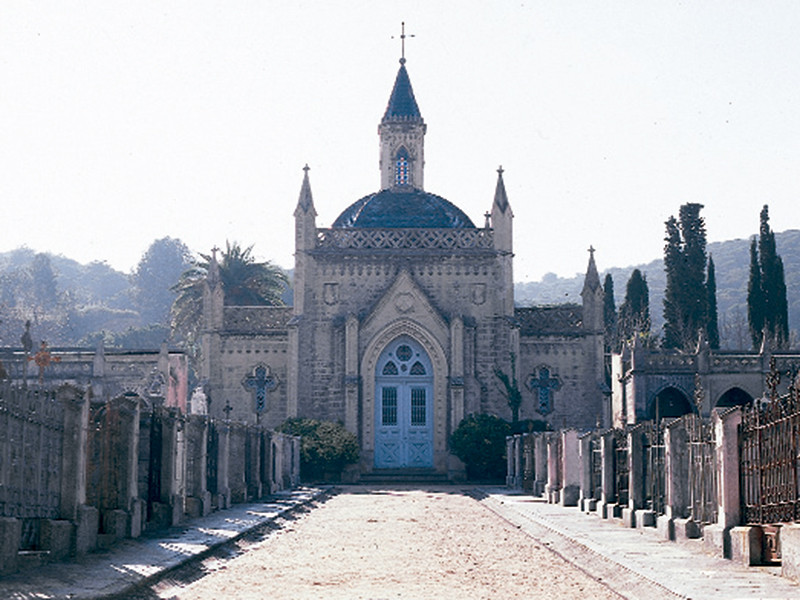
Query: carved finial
x=488 y=222
x=306 y=169
x=591 y=251
x=403 y=37
x=500 y=170
x=214 y=251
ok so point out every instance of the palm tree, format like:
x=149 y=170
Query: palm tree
x=244 y=281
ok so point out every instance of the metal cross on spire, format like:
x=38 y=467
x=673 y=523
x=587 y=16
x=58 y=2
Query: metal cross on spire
x=403 y=37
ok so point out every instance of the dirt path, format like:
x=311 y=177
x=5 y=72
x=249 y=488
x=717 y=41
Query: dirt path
x=378 y=544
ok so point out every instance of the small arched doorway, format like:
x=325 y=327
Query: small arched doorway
x=734 y=397
x=403 y=406
x=669 y=403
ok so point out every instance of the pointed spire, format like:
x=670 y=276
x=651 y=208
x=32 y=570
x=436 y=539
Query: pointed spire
x=592 y=280
x=402 y=104
x=500 y=196
x=305 y=202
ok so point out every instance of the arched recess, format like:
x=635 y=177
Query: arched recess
x=734 y=397
x=670 y=402
x=438 y=360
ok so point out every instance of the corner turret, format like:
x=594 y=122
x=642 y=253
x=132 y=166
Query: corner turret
x=592 y=295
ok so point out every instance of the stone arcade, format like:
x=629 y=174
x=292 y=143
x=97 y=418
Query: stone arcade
x=403 y=309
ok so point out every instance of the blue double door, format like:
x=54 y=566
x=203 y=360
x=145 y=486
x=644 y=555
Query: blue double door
x=404 y=407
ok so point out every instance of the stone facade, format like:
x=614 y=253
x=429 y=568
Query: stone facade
x=403 y=311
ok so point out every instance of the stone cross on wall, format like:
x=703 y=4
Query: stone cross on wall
x=544 y=384
x=260 y=382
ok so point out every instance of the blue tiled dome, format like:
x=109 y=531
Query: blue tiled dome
x=403 y=206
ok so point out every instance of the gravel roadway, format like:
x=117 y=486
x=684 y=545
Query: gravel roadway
x=375 y=543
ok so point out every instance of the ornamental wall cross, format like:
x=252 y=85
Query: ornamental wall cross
x=544 y=384
x=260 y=382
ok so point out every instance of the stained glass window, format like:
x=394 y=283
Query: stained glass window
x=404 y=352
x=417 y=369
x=390 y=368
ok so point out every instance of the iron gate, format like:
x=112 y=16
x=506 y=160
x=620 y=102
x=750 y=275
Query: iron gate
x=654 y=467
x=702 y=469
x=621 y=465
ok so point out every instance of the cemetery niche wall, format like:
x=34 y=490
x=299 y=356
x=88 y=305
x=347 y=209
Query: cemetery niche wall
x=77 y=474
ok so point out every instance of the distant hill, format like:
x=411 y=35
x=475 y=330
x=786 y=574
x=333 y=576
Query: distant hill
x=732 y=261
x=96 y=297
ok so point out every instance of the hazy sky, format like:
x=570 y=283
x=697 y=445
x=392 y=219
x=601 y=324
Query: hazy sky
x=124 y=122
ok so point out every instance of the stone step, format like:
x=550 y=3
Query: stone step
x=404 y=476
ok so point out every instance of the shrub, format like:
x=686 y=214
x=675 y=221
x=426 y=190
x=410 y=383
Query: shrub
x=325 y=447
x=480 y=441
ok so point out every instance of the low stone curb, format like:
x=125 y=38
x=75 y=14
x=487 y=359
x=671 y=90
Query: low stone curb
x=129 y=569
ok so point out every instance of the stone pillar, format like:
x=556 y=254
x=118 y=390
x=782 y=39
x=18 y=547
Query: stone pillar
x=10 y=538
x=198 y=498
x=456 y=372
x=236 y=462
x=510 y=462
x=718 y=536
x=635 y=477
x=790 y=551
x=351 y=378
x=553 y=468
x=223 y=499
x=518 y=462
x=676 y=478
x=73 y=457
x=570 y=468
x=127 y=449
x=587 y=499
x=527 y=462
x=252 y=467
x=608 y=495
x=540 y=463
x=172 y=467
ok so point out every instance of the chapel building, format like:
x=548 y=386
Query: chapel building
x=403 y=313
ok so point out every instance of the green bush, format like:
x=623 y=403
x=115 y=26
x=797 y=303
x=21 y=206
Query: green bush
x=480 y=442
x=325 y=447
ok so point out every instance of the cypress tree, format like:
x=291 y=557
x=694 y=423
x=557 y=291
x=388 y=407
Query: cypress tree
x=673 y=263
x=609 y=313
x=634 y=314
x=755 y=298
x=712 y=328
x=767 y=307
x=685 y=298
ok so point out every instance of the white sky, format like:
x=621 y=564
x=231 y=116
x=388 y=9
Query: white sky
x=123 y=122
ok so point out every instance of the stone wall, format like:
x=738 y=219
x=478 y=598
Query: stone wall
x=77 y=475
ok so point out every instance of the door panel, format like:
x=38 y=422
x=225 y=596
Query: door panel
x=403 y=410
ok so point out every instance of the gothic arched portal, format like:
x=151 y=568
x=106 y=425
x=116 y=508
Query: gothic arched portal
x=403 y=406
x=734 y=397
x=669 y=403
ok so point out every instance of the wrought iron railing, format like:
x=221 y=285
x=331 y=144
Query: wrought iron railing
x=769 y=450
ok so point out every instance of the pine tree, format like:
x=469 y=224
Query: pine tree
x=712 y=327
x=609 y=313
